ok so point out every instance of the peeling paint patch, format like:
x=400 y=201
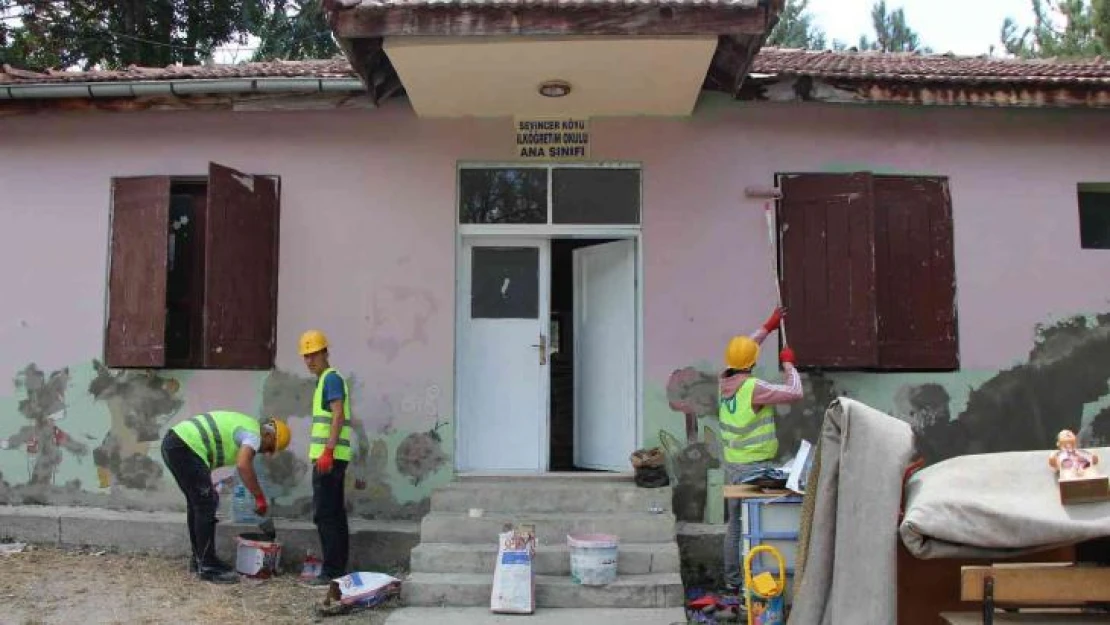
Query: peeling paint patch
x=420 y=455
x=399 y=317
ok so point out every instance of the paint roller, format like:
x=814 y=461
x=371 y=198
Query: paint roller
x=769 y=195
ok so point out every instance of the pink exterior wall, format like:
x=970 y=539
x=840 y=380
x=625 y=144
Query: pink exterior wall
x=367 y=248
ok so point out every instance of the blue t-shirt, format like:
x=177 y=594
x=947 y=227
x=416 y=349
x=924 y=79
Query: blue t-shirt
x=333 y=390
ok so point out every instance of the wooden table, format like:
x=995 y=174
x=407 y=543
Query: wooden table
x=747 y=491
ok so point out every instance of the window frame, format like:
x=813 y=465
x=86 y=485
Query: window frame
x=884 y=357
x=549 y=227
x=214 y=327
x=1091 y=188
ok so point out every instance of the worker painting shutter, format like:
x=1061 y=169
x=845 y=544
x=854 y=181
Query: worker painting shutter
x=136 y=329
x=241 y=252
x=915 y=273
x=826 y=234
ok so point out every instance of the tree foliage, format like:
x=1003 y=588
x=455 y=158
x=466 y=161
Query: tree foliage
x=292 y=29
x=1061 y=28
x=892 y=33
x=40 y=34
x=796 y=29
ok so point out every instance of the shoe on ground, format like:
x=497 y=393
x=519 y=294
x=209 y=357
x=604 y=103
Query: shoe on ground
x=217 y=576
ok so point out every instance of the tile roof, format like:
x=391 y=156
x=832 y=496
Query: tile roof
x=873 y=66
x=908 y=67
x=327 y=68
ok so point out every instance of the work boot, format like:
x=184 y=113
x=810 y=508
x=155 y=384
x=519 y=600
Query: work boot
x=217 y=575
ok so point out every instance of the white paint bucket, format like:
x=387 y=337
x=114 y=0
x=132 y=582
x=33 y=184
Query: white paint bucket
x=257 y=557
x=593 y=558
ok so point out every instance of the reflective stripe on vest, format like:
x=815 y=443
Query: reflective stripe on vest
x=746 y=435
x=212 y=435
x=321 y=422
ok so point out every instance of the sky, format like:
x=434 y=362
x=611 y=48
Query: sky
x=959 y=26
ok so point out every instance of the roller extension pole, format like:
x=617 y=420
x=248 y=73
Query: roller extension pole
x=769 y=214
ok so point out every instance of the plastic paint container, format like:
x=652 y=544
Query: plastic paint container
x=593 y=558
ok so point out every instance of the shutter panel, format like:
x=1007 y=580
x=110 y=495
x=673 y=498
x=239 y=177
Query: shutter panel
x=828 y=269
x=241 y=251
x=136 y=329
x=916 y=273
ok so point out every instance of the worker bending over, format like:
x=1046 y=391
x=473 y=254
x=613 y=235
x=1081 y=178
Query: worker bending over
x=192 y=449
x=329 y=450
x=747 y=418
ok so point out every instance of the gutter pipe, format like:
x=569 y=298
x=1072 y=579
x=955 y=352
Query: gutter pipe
x=148 y=88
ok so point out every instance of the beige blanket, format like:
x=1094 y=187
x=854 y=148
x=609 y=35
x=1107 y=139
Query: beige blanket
x=851 y=564
x=995 y=506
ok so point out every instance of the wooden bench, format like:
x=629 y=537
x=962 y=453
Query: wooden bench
x=1040 y=585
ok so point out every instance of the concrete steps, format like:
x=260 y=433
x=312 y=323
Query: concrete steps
x=553 y=495
x=634 y=558
x=453 y=564
x=660 y=590
x=542 y=616
x=551 y=528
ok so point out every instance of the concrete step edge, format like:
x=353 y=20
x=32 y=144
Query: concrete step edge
x=486 y=579
x=639 y=547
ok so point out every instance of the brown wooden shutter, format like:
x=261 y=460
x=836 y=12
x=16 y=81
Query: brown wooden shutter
x=136 y=329
x=916 y=273
x=826 y=225
x=241 y=252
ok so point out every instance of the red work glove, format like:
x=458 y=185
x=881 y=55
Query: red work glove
x=324 y=462
x=260 y=506
x=774 y=320
x=786 y=356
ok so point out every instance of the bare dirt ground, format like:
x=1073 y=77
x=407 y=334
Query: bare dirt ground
x=47 y=585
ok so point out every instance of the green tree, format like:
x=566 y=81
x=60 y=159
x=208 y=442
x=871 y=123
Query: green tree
x=892 y=33
x=292 y=29
x=117 y=33
x=1061 y=28
x=796 y=29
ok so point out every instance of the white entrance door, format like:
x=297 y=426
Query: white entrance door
x=502 y=367
x=605 y=355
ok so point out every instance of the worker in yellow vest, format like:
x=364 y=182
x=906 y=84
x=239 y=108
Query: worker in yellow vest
x=747 y=421
x=192 y=449
x=329 y=450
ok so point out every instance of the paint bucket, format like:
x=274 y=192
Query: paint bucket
x=593 y=559
x=257 y=557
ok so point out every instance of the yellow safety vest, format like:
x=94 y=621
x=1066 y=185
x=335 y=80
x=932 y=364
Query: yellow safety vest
x=747 y=436
x=212 y=435
x=321 y=422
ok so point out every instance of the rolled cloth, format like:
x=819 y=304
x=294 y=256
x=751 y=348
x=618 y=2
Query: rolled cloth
x=998 y=505
x=851 y=555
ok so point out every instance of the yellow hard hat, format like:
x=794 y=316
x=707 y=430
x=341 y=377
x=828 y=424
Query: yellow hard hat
x=741 y=353
x=313 y=341
x=281 y=433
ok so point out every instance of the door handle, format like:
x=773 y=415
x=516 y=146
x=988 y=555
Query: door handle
x=543 y=349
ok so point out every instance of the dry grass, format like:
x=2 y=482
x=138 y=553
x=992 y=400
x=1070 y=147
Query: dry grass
x=59 y=586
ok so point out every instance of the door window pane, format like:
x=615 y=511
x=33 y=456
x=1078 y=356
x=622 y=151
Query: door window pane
x=503 y=196
x=596 y=196
x=504 y=283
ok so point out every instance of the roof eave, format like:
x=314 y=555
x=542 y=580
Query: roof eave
x=741 y=27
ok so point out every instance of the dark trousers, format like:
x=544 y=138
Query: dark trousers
x=329 y=513
x=195 y=480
